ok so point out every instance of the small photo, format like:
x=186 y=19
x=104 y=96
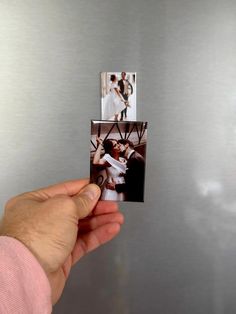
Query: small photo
x=118 y=158
x=118 y=96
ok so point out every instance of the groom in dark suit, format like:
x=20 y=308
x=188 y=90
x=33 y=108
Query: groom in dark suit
x=124 y=85
x=135 y=173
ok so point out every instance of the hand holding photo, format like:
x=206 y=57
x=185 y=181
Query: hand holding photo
x=117 y=157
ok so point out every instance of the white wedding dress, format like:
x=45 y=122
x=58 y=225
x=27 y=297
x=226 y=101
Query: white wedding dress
x=112 y=103
x=115 y=174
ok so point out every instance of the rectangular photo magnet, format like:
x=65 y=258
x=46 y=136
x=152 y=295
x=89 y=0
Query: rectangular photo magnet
x=118 y=96
x=117 y=159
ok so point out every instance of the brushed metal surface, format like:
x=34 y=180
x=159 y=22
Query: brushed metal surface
x=177 y=251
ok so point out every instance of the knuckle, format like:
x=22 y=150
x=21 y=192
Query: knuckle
x=83 y=205
x=10 y=203
x=82 y=202
x=16 y=200
x=66 y=203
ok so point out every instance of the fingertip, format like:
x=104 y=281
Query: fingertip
x=106 y=207
x=113 y=228
x=121 y=218
x=92 y=191
x=110 y=204
x=96 y=189
x=86 y=200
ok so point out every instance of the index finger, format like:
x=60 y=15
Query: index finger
x=69 y=188
x=105 y=207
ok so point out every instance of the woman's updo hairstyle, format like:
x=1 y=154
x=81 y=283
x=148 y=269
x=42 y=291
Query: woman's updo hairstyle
x=113 y=77
x=108 y=146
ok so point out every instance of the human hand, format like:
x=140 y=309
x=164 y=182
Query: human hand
x=111 y=186
x=60 y=224
x=99 y=140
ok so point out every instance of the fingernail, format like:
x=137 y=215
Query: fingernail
x=92 y=191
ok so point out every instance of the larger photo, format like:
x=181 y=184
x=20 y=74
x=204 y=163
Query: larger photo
x=117 y=158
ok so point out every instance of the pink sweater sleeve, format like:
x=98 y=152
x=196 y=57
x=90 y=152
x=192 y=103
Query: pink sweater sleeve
x=24 y=287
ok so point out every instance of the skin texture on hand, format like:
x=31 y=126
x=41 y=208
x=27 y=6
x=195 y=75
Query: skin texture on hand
x=60 y=224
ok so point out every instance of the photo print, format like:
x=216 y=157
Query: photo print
x=118 y=96
x=118 y=157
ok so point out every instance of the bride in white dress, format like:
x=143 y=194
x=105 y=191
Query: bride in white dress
x=114 y=102
x=115 y=168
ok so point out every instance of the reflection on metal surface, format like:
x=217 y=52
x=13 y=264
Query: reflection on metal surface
x=213 y=216
x=210 y=187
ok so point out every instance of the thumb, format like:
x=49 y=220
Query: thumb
x=86 y=200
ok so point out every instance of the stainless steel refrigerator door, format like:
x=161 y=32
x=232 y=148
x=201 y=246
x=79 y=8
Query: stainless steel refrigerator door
x=177 y=251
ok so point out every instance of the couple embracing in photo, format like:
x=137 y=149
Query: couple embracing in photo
x=125 y=169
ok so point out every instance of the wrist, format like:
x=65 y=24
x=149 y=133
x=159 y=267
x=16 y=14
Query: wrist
x=27 y=275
